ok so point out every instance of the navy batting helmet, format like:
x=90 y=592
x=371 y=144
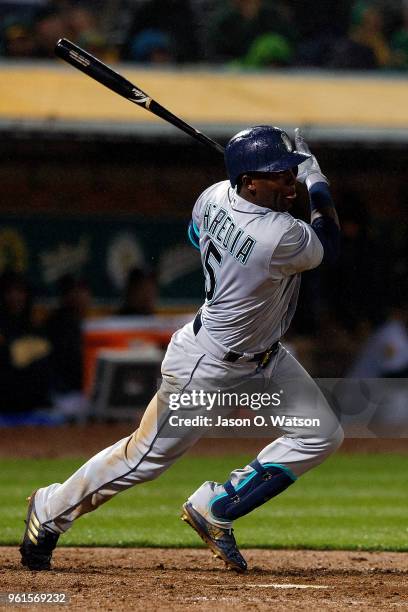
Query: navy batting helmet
x=260 y=149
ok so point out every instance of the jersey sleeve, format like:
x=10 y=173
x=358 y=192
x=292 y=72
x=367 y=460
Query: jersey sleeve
x=298 y=250
x=193 y=230
x=193 y=234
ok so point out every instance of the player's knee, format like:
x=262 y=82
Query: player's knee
x=324 y=446
x=332 y=442
x=336 y=439
x=152 y=473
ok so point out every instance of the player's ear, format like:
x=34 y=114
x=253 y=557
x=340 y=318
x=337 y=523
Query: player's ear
x=248 y=182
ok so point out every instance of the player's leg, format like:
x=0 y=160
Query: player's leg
x=133 y=460
x=279 y=464
x=138 y=458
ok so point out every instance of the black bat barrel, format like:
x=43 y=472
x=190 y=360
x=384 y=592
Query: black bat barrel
x=93 y=67
x=90 y=65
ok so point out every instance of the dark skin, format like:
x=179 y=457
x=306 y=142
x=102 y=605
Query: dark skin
x=277 y=191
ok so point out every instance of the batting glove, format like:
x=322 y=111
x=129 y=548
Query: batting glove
x=309 y=171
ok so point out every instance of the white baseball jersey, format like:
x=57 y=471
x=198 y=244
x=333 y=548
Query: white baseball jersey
x=252 y=258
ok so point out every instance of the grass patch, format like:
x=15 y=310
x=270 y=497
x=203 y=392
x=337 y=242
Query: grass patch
x=349 y=502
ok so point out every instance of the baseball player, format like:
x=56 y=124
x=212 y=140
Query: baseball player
x=253 y=251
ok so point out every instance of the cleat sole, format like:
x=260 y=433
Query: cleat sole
x=216 y=552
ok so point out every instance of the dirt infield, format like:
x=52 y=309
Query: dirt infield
x=189 y=579
x=185 y=579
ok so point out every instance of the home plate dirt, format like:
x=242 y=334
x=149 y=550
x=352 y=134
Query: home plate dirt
x=190 y=579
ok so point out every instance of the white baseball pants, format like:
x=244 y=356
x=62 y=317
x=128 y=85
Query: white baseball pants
x=145 y=454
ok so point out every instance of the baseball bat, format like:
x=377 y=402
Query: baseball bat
x=90 y=65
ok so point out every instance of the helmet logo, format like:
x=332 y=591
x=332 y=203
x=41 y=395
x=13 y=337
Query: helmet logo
x=286 y=142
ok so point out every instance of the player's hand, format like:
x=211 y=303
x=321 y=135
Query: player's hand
x=309 y=171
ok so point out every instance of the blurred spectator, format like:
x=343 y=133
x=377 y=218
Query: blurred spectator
x=31 y=29
x=319 y=30
x=385 y=352
x=399 y=39
x=18 y=41
x=385 y=355
x=19 y=9
x=16 y=30
x=48 y=28
x=268 y=51
x=24 y=349
x=64 y=329
x=359 y=34
x=151 y=46
x=347 y=54
x=162 y=29
x=140 y=293
x=366 y=46
x=236 y=24
x=368 y=30
x=81 y=26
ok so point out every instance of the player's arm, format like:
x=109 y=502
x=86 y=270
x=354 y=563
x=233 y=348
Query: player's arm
x=324 y=219
x=299 y=249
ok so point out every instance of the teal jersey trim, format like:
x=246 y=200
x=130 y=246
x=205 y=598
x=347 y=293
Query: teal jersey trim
x=194 y=234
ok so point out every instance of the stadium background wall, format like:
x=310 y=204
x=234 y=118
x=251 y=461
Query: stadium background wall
x=89 y=184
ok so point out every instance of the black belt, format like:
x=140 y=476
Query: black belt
x=262 y=358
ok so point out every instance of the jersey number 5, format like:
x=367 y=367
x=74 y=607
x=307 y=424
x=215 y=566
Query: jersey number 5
x=210 y=277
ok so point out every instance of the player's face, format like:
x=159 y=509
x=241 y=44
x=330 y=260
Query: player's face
x=274 y=190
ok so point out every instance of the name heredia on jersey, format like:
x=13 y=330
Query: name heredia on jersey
x=222 y=228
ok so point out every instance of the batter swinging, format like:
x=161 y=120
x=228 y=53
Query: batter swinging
x=253 y=252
